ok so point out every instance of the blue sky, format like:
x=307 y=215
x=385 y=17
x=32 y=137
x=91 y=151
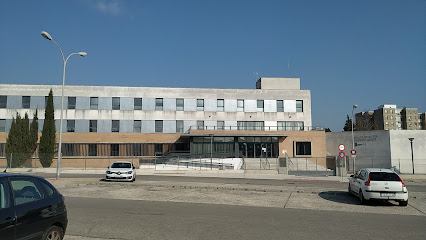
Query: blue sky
x=346 y=52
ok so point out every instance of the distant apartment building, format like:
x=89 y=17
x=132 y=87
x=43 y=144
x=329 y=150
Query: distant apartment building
x=389 y=117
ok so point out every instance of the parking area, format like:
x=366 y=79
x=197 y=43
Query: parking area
x=327 y=197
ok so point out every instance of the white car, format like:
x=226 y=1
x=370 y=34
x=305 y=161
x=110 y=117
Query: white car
x=122 y=171
x=377 y=183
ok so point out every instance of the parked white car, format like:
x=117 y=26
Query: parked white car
x=377 y=183
x=122 y=171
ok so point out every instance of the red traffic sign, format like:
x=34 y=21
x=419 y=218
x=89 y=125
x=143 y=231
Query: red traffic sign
x=341 y=147
x=353 y=152
x=341 y=154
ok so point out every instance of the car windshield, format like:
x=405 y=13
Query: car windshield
x=383 y=176
x=121 y=165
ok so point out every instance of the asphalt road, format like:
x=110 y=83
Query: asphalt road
x=411 y=186
x=91 y=218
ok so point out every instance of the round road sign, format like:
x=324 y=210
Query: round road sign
x=353 y=152
x=341 y=154
x=341 y=147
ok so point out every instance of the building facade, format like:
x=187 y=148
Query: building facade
x=389 y=117
x=148 y=121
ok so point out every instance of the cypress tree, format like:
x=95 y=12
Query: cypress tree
x=48 y=135
x=19 y=144
x=34 y=133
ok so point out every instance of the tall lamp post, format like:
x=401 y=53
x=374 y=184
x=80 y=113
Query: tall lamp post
x=83 y=54
x=412 y=156
x=353 y=140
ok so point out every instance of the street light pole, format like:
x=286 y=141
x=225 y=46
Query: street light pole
x=83 y=54
x=353 y=140
x=412 y=155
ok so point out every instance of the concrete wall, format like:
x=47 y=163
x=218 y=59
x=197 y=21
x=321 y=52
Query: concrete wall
x=382 y=149
x=401 y=150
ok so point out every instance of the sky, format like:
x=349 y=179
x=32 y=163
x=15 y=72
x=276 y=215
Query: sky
x=364 y=52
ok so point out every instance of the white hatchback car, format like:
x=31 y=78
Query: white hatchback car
x=122 y=171
x=377 y=183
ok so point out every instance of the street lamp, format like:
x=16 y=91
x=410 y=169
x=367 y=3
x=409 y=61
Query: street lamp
x=83 y=54
x=353 y=140
x=412 y=156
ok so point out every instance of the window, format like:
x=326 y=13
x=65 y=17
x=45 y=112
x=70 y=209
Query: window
x=220 y=105
x=179 y=126
x=2 y=125
x=26 y=101
x=303 y=148
x=115 y=103
x=115 y=150
x=158 y=126
x=70 y=125
x=48 y=188
x=200 y=104
x=94 y=103
x=158 y=104
x=3 y=101
x=240 y=105
x=260 y=105
x=251 y=125
x=93 y=150
x=220 y=125
x=93 y=125
x=4 y=195
x=115 y=126
x=280 y=106
x=71 y=102
x=299 y=105
x=200 y=125
x=26 y=190
x=158 y=149
x=137 y=126
x=46 y=98
x=138 y=103
x=290 y=126
x=179 y=104
x=68 y=149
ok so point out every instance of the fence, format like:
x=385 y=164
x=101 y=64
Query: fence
x=311 y=166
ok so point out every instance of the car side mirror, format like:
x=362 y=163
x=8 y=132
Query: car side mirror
x=352 y=175
x=133 y=167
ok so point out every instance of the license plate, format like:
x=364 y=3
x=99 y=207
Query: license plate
x=387 y=194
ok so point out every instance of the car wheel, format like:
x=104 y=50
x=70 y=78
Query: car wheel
x=53 y=233
x=403 y=203
x=361 y=198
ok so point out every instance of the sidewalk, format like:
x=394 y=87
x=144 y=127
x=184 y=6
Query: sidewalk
x=251 y=174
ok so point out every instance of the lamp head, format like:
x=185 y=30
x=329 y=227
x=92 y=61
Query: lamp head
x=411 y=139
x=83 y=54
x=355 y=106
x=46 y=35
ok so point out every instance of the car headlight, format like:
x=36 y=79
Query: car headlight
x=108 y=172
x=129 y=172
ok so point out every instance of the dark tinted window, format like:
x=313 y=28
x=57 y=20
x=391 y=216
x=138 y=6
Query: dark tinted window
x=4 y=194
x=49 y=190
x=383 y=176
x=25 y=190
x=121 y=165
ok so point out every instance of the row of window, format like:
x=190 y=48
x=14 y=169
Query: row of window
x=137 y=126
x=94 y=104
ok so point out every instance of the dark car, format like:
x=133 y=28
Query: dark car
x=30 y=208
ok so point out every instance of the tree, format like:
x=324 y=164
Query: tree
x=34 y=132
x=20 y=141
x=48 y=135
x=327 y=130
x=348 y=124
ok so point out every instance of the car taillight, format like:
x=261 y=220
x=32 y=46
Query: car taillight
x=403 y=184
x=368 y=181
